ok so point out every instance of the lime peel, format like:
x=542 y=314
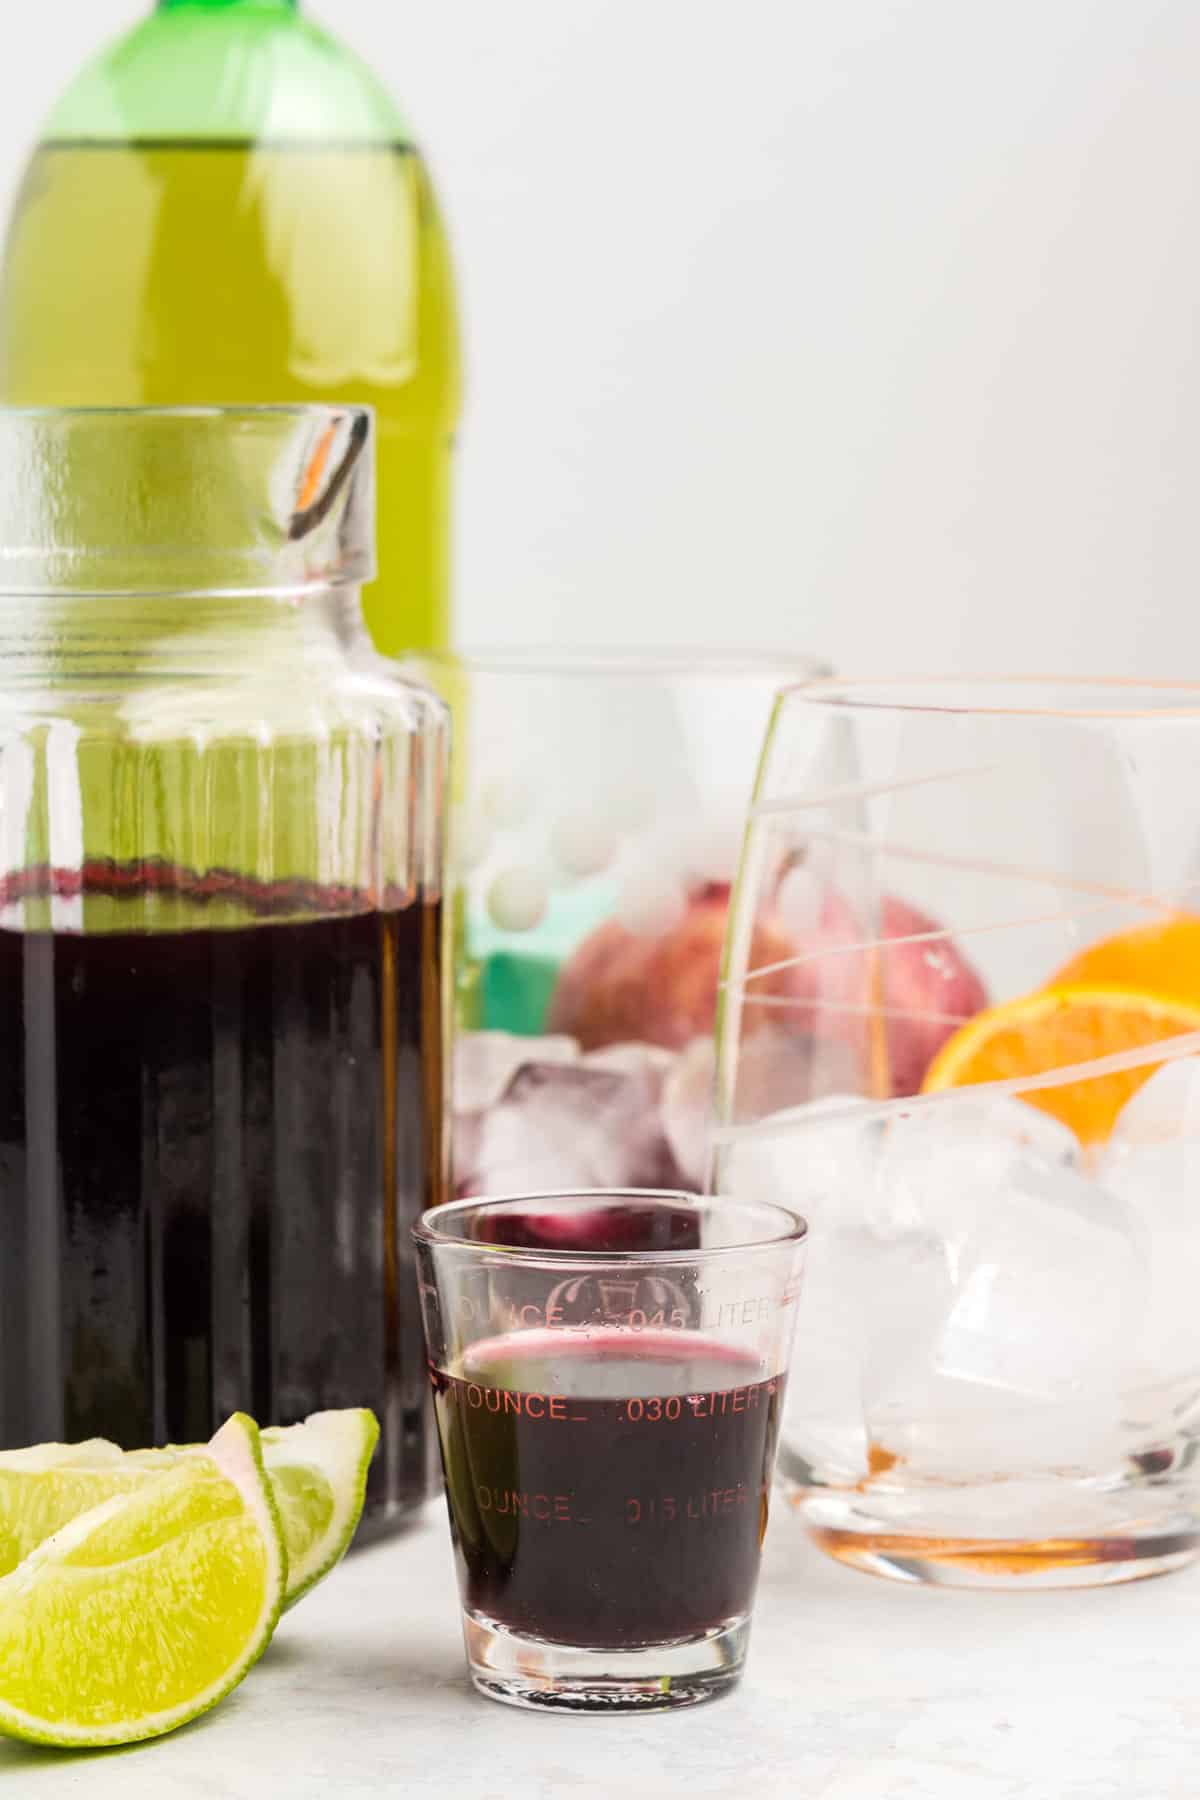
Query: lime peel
x=318 y=1470
x=92 y=1627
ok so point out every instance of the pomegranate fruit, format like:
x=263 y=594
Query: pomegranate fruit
x=624 y=987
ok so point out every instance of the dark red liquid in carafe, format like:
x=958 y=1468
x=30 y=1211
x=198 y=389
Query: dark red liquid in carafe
x=213 y=1144
x=606 y=1493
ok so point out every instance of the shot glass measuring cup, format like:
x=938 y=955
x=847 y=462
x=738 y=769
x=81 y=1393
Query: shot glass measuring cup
x=608 y=1371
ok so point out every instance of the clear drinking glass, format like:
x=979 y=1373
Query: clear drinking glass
x=220 y=941
x=960 y=1031
x=608 y=1373
x=598 y=809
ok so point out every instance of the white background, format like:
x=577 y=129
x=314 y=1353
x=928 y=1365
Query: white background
x=855 y=325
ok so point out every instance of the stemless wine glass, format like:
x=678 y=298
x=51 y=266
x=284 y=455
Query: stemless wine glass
x=599 y=803
x=960 y=1031
x=608 y=1371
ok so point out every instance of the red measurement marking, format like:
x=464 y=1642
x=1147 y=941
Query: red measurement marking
x=516 y=1503
x=670 y=1509
x=513 y=1400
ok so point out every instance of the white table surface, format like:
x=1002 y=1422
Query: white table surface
x=857 y=1689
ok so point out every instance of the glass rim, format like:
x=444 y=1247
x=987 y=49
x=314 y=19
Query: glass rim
x=950 y=695
x=793 y=669
x=794 y=1228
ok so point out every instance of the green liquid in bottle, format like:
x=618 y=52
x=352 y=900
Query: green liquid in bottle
x=225 y=209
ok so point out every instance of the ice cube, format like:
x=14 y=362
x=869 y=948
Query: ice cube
x=687 y=1098
x=818 y=1158
x=1165 y=1109
x=649 y=1061
x=486 y=1061
x=824 y=1434
x=898 y=1287
x=1152 y=1162
x=936 y=1162
x=822 y=1165
x=647 y=1068
x=1051 y=1285
x=1022 y=1362
x=944 y=1431
x=564 y=1125
x=866 y=1300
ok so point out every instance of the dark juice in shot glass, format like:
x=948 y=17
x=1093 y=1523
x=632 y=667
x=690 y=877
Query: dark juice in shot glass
x=607 y=1489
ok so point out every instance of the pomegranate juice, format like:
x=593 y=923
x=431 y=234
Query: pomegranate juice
x=212 y=1146
x=605 y=1493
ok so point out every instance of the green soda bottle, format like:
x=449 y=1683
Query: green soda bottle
x=225 y=207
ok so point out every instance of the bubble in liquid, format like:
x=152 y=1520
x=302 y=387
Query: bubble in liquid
x=506 y=800
x=470 y=837
x=582 y=845
x=517 y=899
x=651 y=903
x=628 y=806
x=711 y=849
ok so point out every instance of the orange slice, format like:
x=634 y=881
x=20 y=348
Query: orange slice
x=1056 y=1028
x=1156 y=959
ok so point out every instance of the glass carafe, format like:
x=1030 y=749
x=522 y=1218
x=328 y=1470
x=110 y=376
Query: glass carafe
x=220 y=963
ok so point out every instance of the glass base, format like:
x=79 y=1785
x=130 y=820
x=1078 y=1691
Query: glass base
x=525 y=1671
x=850 y=1531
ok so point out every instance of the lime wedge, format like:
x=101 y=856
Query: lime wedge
x=92 y=1453
x=45 y=1487
x=318 y=1471
x=147 y=1609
